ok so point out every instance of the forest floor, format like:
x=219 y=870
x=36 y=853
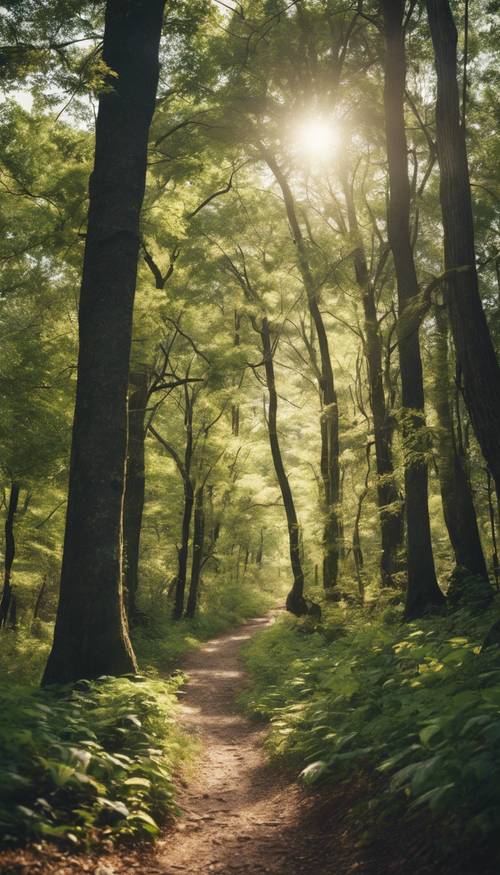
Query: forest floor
x=241 y=815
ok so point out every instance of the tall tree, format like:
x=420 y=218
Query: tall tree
x=458 y=505
x=330 y=445
x=423 y=592
x=90 y=637
x=133 y=503
x=388 y=499
x=295 y=601
x=473 y=344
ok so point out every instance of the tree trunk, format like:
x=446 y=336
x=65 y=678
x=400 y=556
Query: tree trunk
x=388 y=498
x=423 y=592
x=295 y=602
x=91 y=637
x=180 y=586
x=473 y=344
x=260 y=549
x=198 y=543
x=458 y=506
x=135 y=482
x=330 y=450
x=10 y=552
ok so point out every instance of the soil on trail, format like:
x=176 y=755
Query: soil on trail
x=243 y=816
x=240 y=815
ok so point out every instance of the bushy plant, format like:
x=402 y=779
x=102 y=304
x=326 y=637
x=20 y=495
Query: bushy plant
x=91 y=762
x=421 y=702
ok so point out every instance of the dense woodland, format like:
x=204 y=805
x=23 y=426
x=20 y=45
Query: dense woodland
x=251 y=363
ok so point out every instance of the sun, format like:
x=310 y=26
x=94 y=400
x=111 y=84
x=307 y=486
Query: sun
x=315 y=137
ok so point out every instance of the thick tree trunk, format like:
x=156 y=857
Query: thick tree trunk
x=10 y=552
x=423 y=592
x=388 y=498
x=198 y=544
x=330 y=449
x=91 y=637
x=458 y=505
x=135 y=482
x=473 y=344
x=295 y=602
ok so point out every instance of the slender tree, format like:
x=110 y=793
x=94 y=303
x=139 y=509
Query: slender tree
x=388 y=499
x=198 y=544
x=10 y=552
x=330 y=445
x=90 y=637
x=473 y=344
x=295 y=602
x=133 y=505
x=423 y=592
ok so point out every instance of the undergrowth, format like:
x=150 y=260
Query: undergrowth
x=419 y=702
x=160 y=642
x=88 y=763
x=96 y=761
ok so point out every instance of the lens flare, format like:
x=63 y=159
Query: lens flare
x=315 y=138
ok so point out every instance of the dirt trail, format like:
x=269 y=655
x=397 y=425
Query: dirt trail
x=237 y=811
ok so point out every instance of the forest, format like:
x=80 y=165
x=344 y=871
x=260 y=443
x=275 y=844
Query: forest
x=249 y=437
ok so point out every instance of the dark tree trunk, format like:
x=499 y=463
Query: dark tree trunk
x=235 y=408
x=295 y=602
x=330 y=450
x=260 y=549
x=473 y=344
x=135 y=482
x=91 y=637
x=491 y=514
x=423 y=592
x=10 y=552
x=388 y=498
x=198 y=544
x=180 y=586
x=458 y=505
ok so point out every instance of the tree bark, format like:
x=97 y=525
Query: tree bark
x=135 y=482
x=473 y=343
x=180 y=586
x=330 y=449
x=295 y=602
x=198 y=544
x=423 y=592
x=388 y=498
x=91 y=637
x=10 y=552
x=458 y=505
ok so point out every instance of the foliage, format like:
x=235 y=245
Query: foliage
x=89 y=763
x=159 y=641
x=421 y=704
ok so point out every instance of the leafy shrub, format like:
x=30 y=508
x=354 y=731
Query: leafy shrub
x=88 y=762
x=420 y=702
